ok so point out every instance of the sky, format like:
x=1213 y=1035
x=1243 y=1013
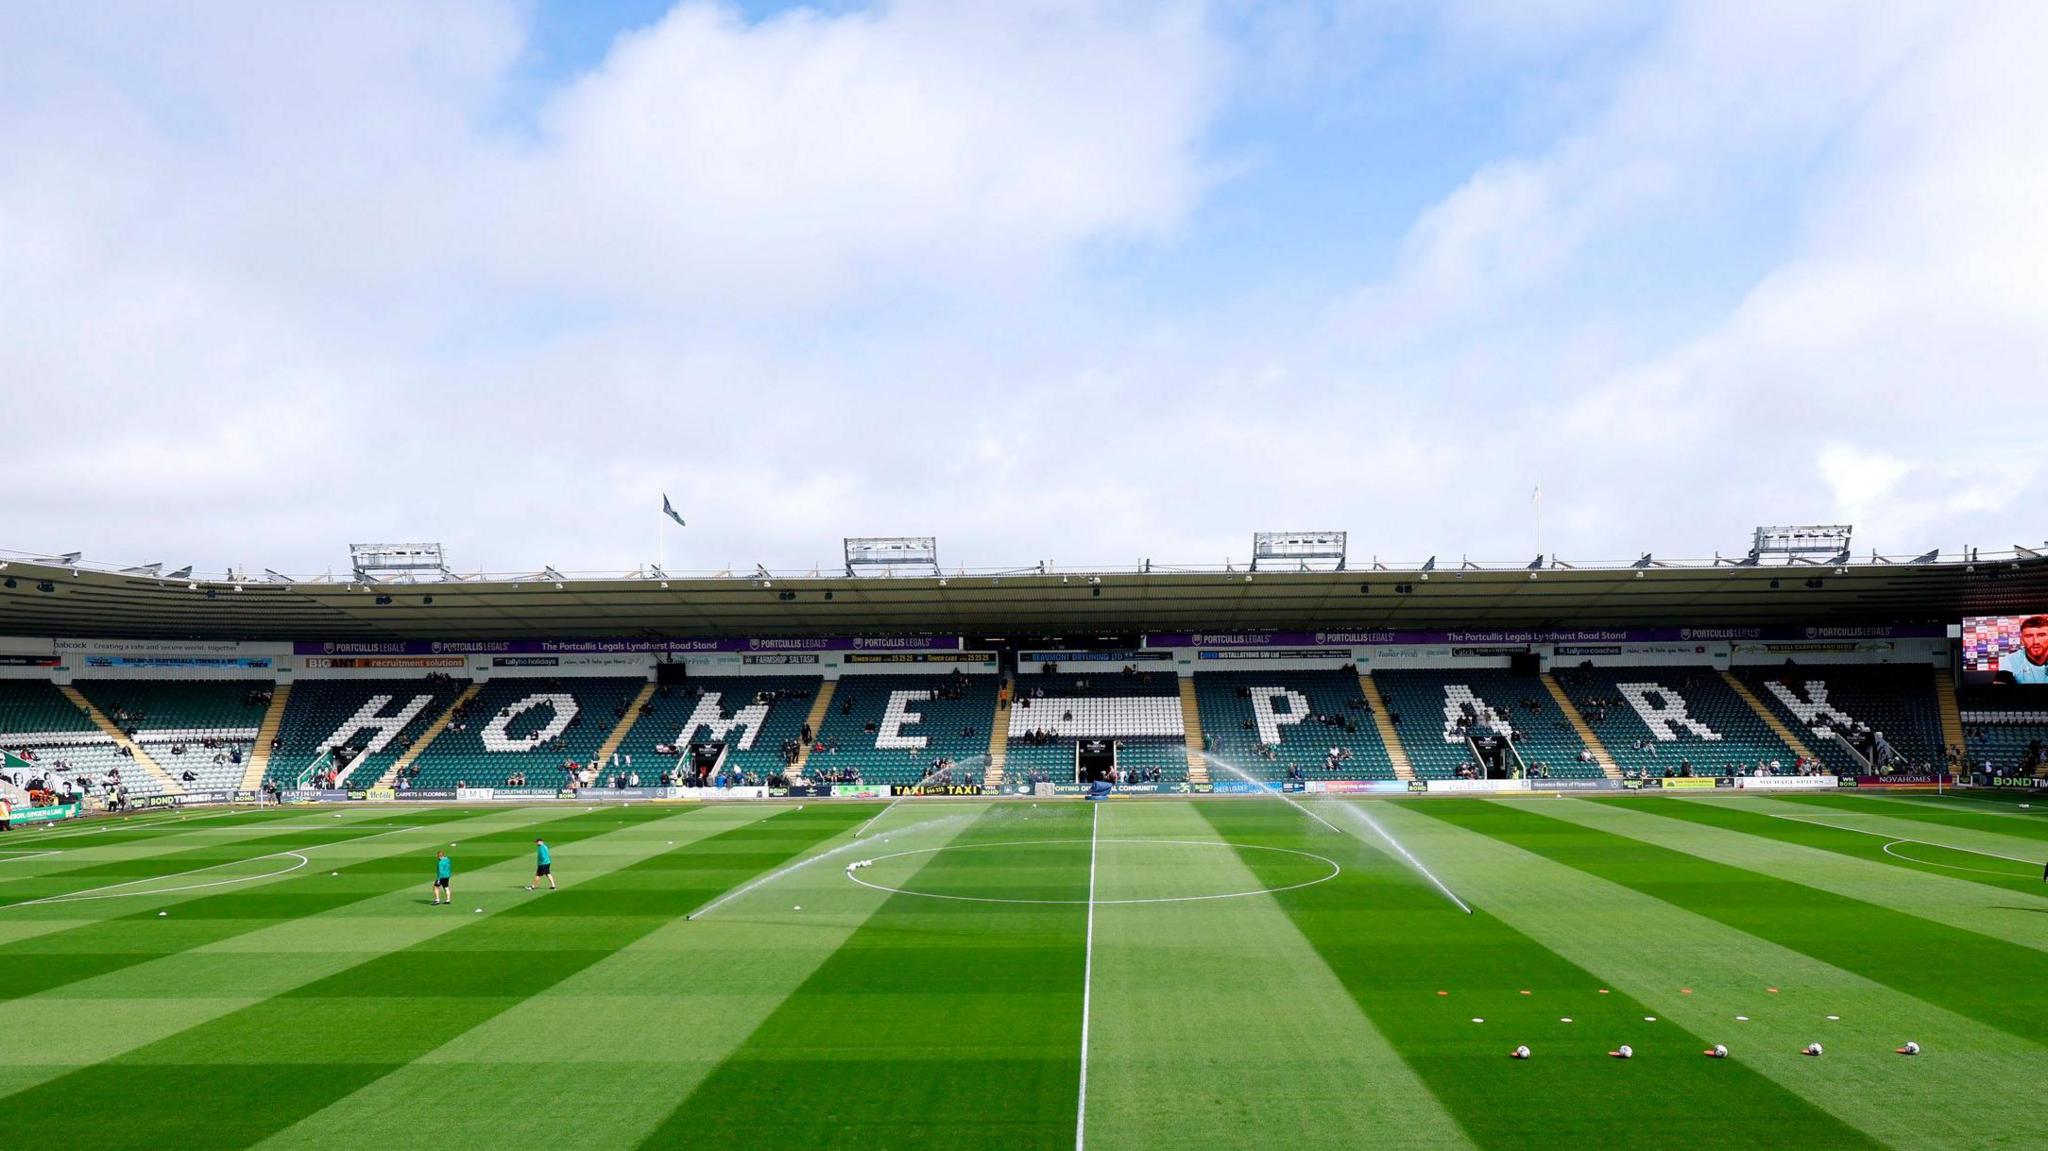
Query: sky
x=1072 y=281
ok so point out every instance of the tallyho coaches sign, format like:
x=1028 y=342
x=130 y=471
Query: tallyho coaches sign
x=630 y=646
x=1304 y=639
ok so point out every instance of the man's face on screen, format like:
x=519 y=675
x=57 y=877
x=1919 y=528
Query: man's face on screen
x=2035 y=640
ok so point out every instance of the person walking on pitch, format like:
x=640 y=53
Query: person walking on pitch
x=444 y=870
x=543 y=865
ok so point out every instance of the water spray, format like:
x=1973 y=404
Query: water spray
x=1403 y=852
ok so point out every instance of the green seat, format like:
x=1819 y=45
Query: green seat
x=1426 y=700
x=952 y=724
x=1305 y=714
x=379 y=718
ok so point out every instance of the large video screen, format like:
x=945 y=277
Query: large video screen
x=2006 y=649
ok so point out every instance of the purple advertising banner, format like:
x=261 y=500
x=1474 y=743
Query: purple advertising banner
x=1369 y=637
x=650 y=646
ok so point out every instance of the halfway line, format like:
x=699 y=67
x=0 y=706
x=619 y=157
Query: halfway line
x=1087 y=985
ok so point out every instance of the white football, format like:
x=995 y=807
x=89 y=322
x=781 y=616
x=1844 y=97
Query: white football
x=1522 y=1052
x=1813 y=1049
x=1627 y=1052
x=1720 y=1051
x=1912 y=1049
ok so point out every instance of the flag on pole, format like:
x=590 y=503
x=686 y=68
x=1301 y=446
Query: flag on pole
x=668 y=509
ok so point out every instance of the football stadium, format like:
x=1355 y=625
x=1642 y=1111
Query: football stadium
x=1023 y=575
x=1737 y=853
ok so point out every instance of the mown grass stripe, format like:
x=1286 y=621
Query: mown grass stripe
x=1229 y=1004
x=143 y=1004
x=634 y=1033
x=938 y=1024
x=1943 y=899
x=1871 y=844
x=1913 y=955
x=119 y=939
x=100 y=872
x=1703 y=974
x=121 y=829
x=1927 y=811
x=269 y=1065
x=1394 y=942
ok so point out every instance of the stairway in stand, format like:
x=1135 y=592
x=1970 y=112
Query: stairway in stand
x=266 y=735
x=1579 y=725
x=120 y=738
x=626 y=722
x=1191 y=723
x=1951 y=712
x=1770 y=717
x=419 y=745
x=1404 y=768
x=999 y=737
x=820 y=708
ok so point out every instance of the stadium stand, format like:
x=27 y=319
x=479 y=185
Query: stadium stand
x=1274 y=725
x=36 y=719
x=1140 y=711
x=1427 y=705
x=373 y=721
x=525 y=728
x=2006 y=730
x=200 y=732
x=760 y=718
x=1861 y=701
x=1656 y=720
x=890 y=728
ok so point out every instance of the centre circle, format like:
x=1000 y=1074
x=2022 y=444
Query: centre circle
x=898 y=872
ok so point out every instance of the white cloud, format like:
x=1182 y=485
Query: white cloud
x=842 y=274
x=810 y=155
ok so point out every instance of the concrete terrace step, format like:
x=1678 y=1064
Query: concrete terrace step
x=1579 y=725
x=120 y=738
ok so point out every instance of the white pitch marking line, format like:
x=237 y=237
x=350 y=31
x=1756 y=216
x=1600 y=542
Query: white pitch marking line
x=1326 y=861
x=878 y=815
x=1087 y=984
x=1887 y=849
x=1895 y=838
x=110 y=891
x=22 y=856
x=93 y=893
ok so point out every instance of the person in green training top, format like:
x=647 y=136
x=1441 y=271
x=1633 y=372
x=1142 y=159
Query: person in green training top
x=444 y=869
x=543 y=865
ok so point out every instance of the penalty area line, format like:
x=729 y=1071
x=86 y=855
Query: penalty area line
x=877 y=817
x=1897 y=839
x=112 y=890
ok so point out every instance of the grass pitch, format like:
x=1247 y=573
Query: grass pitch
x=1243 y=975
